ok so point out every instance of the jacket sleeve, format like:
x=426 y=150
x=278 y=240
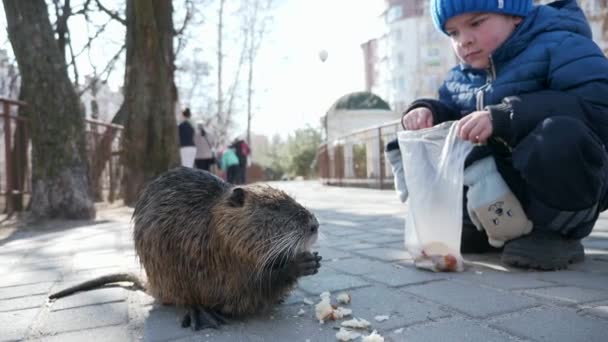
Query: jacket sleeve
x=443 y=109
x=576 y=87
x=517 y=116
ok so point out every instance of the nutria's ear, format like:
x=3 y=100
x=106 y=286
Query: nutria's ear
x=237 y=197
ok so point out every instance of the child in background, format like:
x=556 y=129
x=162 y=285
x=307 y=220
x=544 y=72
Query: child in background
x=230 y=165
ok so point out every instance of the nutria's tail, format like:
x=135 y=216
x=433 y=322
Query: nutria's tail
x=99 y=282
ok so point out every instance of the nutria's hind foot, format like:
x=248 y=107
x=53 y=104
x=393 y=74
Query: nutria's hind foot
x=307 y=263
x=201 y=318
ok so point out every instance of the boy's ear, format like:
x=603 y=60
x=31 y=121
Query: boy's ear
x=237 y=197
x=517 y=20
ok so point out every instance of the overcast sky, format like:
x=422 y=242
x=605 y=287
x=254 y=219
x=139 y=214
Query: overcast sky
x=299 y=87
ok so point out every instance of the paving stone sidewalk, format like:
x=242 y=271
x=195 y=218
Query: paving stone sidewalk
x=363 y=254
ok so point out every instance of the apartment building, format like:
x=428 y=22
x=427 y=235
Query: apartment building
x=410 y=58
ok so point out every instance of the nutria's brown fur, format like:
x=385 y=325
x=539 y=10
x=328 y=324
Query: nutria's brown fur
x=233 y=250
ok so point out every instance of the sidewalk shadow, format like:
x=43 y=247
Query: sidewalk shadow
x=25 y=228
x=22 y=225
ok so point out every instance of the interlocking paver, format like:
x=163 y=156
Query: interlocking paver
x=502 y=280
x=575 y=278
x=25 y=290
x=86 y=317
x=557 y=324
x=16 y=323
x=112 y=333
x=386 y=254
x=30 y=277
x=592 y=264
x=569 y=294
x=332 y=253
x=597 y=309
x=384 y=273
x=450 y=330
x=382 y=239
x=93 y=297
x=401 y=309
x=326 y=280
x=363 y=251
x=21 y=303
x=351 y=246
x=475 y=301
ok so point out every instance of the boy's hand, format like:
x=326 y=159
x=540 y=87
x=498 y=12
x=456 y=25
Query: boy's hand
x=418 y=118
x=476 y=127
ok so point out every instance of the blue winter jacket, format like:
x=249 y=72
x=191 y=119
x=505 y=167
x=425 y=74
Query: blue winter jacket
x=549 y=66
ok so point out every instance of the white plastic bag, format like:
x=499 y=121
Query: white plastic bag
x=433 y=161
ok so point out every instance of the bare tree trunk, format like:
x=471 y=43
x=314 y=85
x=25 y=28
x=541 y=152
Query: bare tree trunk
x=250 y=59
x=220 y=61
x=60 y=186
x=150 y=134
x=249 y=96
x=226 y=118
x=257 y=18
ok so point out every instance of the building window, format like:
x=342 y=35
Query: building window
x=395 y=36
x=433 y=56
x=401 y=82
x=394 y=13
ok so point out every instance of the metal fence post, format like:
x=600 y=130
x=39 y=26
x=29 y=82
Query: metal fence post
x=381 y=164
x=7 y=157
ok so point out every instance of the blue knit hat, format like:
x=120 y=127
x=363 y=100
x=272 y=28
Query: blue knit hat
x=443 y=10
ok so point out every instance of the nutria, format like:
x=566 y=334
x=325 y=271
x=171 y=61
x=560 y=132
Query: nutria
x=219 y=249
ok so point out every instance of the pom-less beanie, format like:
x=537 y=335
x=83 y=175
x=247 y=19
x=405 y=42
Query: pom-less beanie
x=443 y=10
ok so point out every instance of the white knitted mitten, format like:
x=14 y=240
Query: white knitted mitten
x=394 y=156
x=491 y=204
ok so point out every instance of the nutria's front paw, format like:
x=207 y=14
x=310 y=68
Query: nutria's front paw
x=307 y=263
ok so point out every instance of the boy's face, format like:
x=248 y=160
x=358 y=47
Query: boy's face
x=475 y=36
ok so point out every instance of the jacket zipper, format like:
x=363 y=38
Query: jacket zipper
x=490 y=78
x=480 y=97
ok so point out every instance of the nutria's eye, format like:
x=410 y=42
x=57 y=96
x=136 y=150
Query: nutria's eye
x=314 y=227
x=237 y=197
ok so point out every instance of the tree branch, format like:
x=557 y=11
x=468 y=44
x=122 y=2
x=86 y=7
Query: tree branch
x=61 y=25
x=73 y=62
x=100 y=30
x=112 y=14
x=180 y=33
x=84 y=10
x=187 y=18
x=106 y=70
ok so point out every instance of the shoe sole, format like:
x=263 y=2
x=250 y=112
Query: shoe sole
x=545 y=265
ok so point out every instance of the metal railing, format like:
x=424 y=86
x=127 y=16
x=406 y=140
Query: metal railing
x=103 y=142
x=357 y=159
x=15 y=170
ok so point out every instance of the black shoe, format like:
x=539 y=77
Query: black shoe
x=475 y=242
x=543 y=250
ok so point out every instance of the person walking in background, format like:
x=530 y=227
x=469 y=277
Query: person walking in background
x=242 y=152
x=187 y=149
x=205 y=153
x=229 y=163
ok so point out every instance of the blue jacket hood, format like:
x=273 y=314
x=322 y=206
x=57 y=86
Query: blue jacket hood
x=563 y=15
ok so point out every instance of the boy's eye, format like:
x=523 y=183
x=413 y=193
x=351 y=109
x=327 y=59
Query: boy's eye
x=452 y=33
x=478 y=22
